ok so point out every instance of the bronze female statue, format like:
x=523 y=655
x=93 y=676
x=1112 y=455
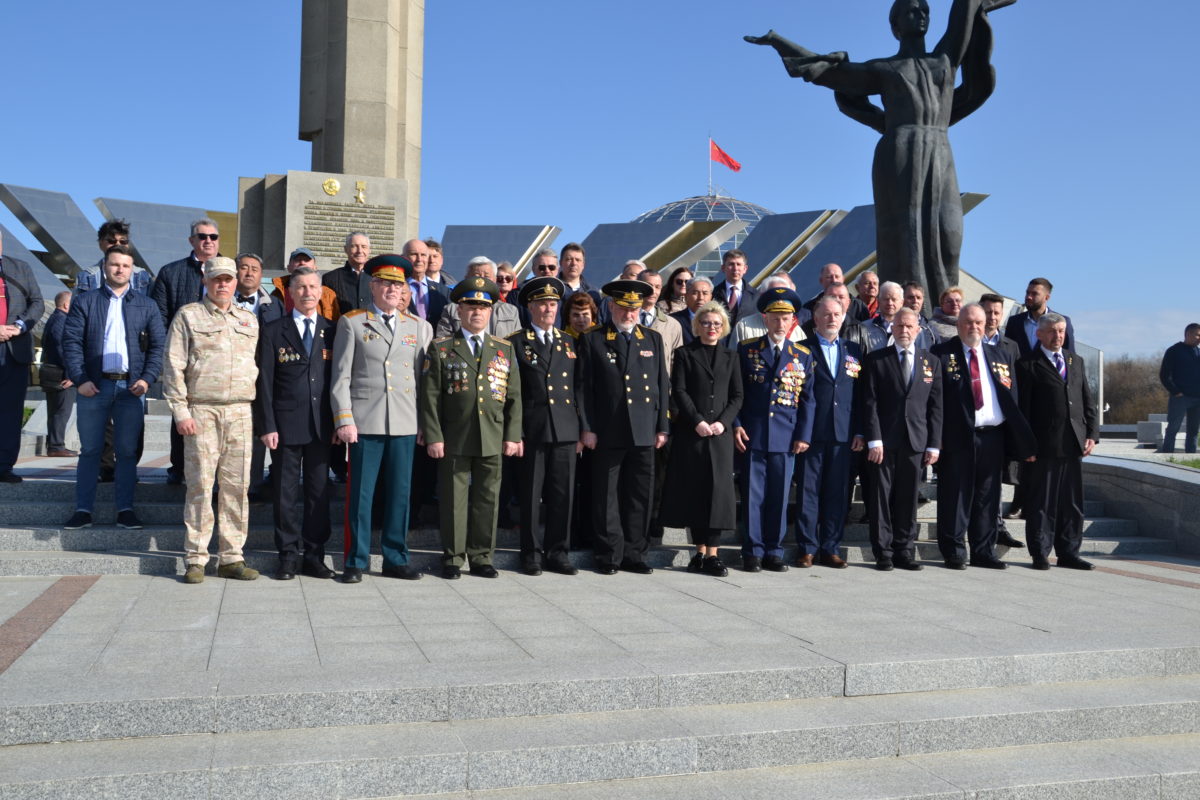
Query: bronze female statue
x=918 y=209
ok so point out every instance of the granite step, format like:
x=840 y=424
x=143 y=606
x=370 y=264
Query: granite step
x=1157 y=768
x=413 y=758
x=42 y=706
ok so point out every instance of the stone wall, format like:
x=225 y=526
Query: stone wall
x=1163 y=498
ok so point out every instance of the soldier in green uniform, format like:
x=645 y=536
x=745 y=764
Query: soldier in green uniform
x=377 y=356
x=470 y=416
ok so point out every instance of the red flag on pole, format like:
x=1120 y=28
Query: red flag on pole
x=715 y=153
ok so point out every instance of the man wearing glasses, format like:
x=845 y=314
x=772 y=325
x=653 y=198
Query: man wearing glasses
x=378 y=354
x=177 y=284
x=112 y=233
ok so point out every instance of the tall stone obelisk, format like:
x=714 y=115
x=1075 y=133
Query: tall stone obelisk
x=361 y=68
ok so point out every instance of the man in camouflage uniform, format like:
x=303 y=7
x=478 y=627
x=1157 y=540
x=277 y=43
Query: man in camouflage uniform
x=470 y=416
x=208 y=382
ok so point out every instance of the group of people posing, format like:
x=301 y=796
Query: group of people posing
x=675 y=404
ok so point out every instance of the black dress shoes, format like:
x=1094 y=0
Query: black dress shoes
x=606 y=569
x=988 y=563
x=561 y=567
x=637 y=567
x=774 y=564
x=1005 y=538
x=531 y=566
x=405 y=572
x=10 y=477
x=451 y=573
x=751 y=564
x=351 y=575
x=696 y=565
x=908 y=564
x=484 y=571
x=316 y=569
x=715 y=567
x=1075 y=562
x=954 y=563
x=884 y=564
x=1040 y=563
x=286 y=571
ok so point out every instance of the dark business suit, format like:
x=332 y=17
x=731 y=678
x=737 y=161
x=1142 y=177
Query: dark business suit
x=624 y=403
x=1015 y=329
x=550 y=432
x=1062 y=415
x=177 y=284
x=267 y=308
x=293 y=401
x=684 y=318
x=59 y=401
x=972 y=458
x=747 y=305
x=824 y=469
x=906 y=416
x=25 y=307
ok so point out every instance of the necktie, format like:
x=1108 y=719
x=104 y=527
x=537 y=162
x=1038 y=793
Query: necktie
x=308 y=335
x=733 y=299
x=387 y=320
x=1061 y=365
x=247 y=299
x=906 y=366
x=778 y=349
x=976 y=386
x=421 y=300
x=475 y=346
x=647 y=319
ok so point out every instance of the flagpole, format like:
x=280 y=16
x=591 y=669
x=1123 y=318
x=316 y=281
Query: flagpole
x=709 y=155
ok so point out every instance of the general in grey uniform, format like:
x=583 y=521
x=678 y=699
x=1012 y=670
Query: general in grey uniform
x=208 y=383
x=377 y=356
x=470 y=416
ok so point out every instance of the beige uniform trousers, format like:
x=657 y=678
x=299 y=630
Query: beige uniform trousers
x=220 y=451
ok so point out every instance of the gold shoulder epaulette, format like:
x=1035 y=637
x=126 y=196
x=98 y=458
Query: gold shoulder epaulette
x=802 y=348
x=355 y=312
x=441 y=339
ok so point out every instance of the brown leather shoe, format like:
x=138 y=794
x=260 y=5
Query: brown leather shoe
x=804 y=561
x=832 y=560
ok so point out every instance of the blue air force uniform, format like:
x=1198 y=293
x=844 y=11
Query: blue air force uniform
x=776 y=411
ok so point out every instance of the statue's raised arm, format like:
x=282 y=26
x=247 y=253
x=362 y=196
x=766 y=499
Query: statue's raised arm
x=918 y=208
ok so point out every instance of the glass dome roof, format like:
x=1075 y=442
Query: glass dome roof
x=708 y=208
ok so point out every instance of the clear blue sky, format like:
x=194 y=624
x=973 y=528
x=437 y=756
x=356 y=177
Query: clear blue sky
x=577 y=114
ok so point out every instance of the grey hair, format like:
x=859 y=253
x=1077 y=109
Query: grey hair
x=887 y=287
x=780 y=279
x=255 y=256
x=700 y=279
x=477 y=260
x=828 y=298
x=905 y=310
x=637 y=261
x=296 y=273
x=546 y=251
x=350 y=236
x=203 y=221
x=1050 y=319
x=645 y=273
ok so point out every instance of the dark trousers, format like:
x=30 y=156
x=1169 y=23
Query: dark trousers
x=371 y=457
x=14 y=378
x=824 y=471
x=890 y=489
x=258 y=459
x=622 y=481
x=546 y=473
x=1054 y=512
x=1177 y=409
x=176 y=467
x=765 y=482
x=59 y=403
x=969 y=496
x=300 y=535
x=583 y=510
x=469 y=502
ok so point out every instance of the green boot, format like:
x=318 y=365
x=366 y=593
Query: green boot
x=194 y=574
x=237 y=571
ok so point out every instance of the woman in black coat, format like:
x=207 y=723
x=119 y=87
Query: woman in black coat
x=706 y=389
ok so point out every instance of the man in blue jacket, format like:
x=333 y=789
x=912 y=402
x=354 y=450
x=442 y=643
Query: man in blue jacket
x=113 y=348
x=1180 y=376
